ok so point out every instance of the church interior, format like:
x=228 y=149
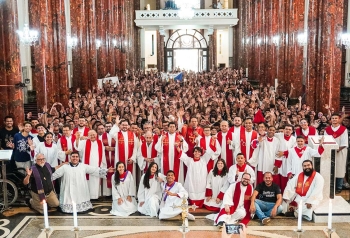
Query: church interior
x=51 y=48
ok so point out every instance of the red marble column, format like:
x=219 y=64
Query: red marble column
x=83 y=25
x=50 y=78
x=101 y=34
x=329 y=55
x=11 y=99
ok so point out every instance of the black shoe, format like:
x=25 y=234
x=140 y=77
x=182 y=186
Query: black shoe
x=220 y=224
x=28 y=203
x=337 y=191
x=289 y=214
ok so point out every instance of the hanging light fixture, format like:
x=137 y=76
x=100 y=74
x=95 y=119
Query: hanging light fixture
x=28 y=36
x=72 y=42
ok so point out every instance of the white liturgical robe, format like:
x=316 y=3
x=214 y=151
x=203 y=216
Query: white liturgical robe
x=74 y=186
x=94 y=181
x=50 y=153
x=313 y=196
x=124 y=189
x=166 y=209
x=214 y=184
x=295 y=163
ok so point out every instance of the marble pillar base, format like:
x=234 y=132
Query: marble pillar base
x=340 y=211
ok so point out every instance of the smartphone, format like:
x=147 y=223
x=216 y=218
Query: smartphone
x=249 y=92
x=233 y=228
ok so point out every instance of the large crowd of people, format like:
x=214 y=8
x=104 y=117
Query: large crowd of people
x=231 y=148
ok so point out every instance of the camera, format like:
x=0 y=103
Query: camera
x=233 y=228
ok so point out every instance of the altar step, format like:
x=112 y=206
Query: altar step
x=340 y=211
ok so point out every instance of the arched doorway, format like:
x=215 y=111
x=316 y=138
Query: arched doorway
x=186 y=49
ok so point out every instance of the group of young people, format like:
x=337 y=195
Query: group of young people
x=167 y=139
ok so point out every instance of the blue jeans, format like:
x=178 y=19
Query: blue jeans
x=263 y=209
x=339 y=183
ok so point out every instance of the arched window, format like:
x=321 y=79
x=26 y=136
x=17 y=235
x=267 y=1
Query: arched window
x=186 y=38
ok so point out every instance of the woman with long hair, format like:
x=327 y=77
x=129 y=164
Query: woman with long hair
x=216 y=179
x=123 y=192
x=150 y=191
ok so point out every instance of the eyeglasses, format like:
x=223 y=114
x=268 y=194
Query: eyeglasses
x=40 y=159
x=245 y=179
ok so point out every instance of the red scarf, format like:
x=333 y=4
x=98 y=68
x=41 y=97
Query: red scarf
x=64 y=144
x=48 y=145
x=244 y=143
x=144 y=152
x=242 y=168
x=86 y=131
x=287 y=137
x=109 y=160
x=229 y=154
x=236 y=197
x=87 y=153
x=303 y=188
x=177 y=155
x=337 y=133
x=312 y=132
x=121 y=148
x=299 y=151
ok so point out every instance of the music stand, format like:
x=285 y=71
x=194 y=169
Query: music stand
x=5 y=155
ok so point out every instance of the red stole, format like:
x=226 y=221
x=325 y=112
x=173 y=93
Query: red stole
x=121 y=149
x=144 y=152
x=302 y=188
x=242 y=168
x=187 y=133
x=64 y=144
x=110 y=161
x=337 y=133
x=236 y=197
x=166 y=159
x=87 y=153
x=312 y=132
x=86 y=131
x=300 y=152
x=244 y=143
x=229 y=154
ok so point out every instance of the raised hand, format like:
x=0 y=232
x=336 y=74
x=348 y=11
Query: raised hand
x=29 y=171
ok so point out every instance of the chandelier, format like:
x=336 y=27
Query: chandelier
x=72 y=42
x=345 y=40
x=186 y=11
x=28 y=36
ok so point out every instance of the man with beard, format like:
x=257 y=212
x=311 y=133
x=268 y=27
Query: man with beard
x=190 y=133
x=81 y=128
x=236 y=203
x=147 y=153
x=237 y=125
x=41 y=186
x=7 y=135
x=307 y=187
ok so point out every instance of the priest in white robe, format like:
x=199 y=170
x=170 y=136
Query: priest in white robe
x=306 y=187
x=150 y=191
x=123 y=192
x=93 y=153
x=169 y=158
x=74 y=186
x=210 y=146
x=65 y=144
x=265 y=156
x=147 y=153
x=216 y=179
x=236 y=203
x=195 y=182
x=225 y=138
x=126 y=147
x=287 y=141
x=109 y=144
x=172 y=193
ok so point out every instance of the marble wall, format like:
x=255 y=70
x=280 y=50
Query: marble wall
x=11 y=98
x=266 y=41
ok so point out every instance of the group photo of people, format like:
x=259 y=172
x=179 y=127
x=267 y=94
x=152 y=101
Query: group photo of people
x=236 y=149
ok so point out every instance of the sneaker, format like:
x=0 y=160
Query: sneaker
x=266 y=220
x=190 y=217
x=346 y=186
